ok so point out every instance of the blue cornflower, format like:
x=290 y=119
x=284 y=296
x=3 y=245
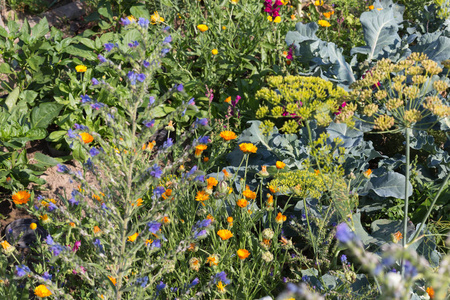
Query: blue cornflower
x=200 y=234
x=109 y=46
x=85 y=99
x=168 y=143
x=94 y=152
x=47 y=276
x=143 y=22
x=73 y=201
x=200 y=178
x=149 y=124
x=62 y=168
x=132 y=77
x=165 y=51
x=101 y=58
x=141 y=77
x=344 y=234
x=410 y=270
x=203 y=140
x=158 y=191
x=167 y=40
x=142 y=281
x=49 y=240
x=22 y=270
x=161 y=285
x=194 y=282
x=94 y=81
x=153 y=226
x=221 y=276
x=343 y=258
x=202 y=122
x=156 y=171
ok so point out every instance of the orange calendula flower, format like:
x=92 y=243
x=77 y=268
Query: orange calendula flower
x=166 y=194
x=368 y=173
x=224 y=234
x=86 y=137
x=97 y=229
x=148 y=242
x=209 y=217
x=248 y=148
x=81 y=68
x=201 y=196
x=228 y=135
x=280 y=218
x=269 y=200
x=230 y=221
x=430 y=292
x=371 y=7
x=214 y=51
x=205 y=159
x=280 y=165
x=317 y=172
x=242 y=203
x=133 y=237
x=21 y=197
x=324 y=23
x=243 y=253
x=202 y=27
x=5 y=245
x=42 y=291
x=327 y=14
x=72 y=224
x=199 y=149
x=226 y=174
x=224 y=27
x=396 y=237
x=293 y=17
x=228 y=100
x=165 y=220
x=138 y=202
x=211 y=181
x=213 y=260
x=272 y=189
x=247 y=193
x=113 y=280
x=263 y=172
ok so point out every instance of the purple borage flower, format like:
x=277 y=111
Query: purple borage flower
x=167 y=40
x=221 y=276
x=149 y=124
x=141 y=77
x=168 y=143
x=94 y=81
x=344 y=234
x=151 y=100
x=153 y=226
x=94 y=152
x=155 y=171
x=22 y=270
x=101 y=58
x=158 y=191
x=62 y=168
x=146 y=64
x=132 y=77
x=85 y=99
x=143 y=22
x=108 y=47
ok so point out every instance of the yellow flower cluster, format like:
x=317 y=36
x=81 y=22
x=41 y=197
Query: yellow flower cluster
x=298 y=98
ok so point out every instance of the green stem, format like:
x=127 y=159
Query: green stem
x=405 y=213
x=425 y=218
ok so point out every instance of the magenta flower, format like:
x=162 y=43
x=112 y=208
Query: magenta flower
x=76 y=246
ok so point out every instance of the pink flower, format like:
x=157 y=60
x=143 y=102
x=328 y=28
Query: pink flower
x=76 y=246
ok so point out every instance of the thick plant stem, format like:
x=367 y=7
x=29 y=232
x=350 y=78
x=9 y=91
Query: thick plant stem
x=425 y=218
x=405 y=212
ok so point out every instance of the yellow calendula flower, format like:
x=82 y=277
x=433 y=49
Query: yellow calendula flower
x=214 y=51
x=371 y=7
x=318 y=2
x=148 y=242
x=234 y=1
x=42 y=291
x=243 y=253
x=21 y=197
x=81 y=68
x=33 y=226
x=277 y=19
x=133 y=237
x=156 y=18
x=324 y=23
x=224 y=234
x=224 y=27
x=228 y=135
x=45 y=219
x=248 y=148
x=221 y=287
x=280 y=165
x=86 y=137
x=202 y=27
x=199 y=149
x=269 y=18
x=327 y=14
x=213 y=260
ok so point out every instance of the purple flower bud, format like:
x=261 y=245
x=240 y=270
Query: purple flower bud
x=109 y=46
x=94 y=81
x=180 y=88
x=149 y=124
x=167 y=40
x=151 y=100
x=143 y=22
x=101 y=58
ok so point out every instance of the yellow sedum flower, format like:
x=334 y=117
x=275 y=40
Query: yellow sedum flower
x=81 y=68
x=42 y=291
